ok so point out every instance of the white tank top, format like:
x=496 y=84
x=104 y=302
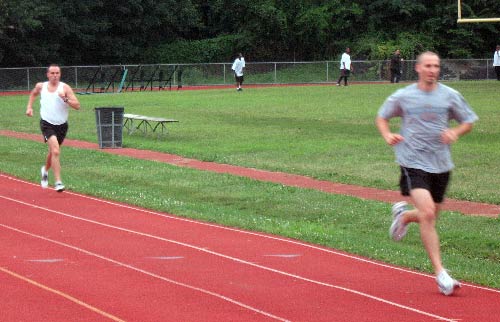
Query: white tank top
x=53 y=109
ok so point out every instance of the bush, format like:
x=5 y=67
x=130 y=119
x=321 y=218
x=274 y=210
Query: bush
x=220 y=49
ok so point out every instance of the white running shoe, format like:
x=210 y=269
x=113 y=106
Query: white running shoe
x=45 y=178
x=59 y=187
x=398 y=229
x=447 y=285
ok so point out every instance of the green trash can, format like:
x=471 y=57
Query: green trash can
x=109 y=123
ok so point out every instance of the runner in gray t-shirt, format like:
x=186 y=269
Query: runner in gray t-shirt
x=425 y=115
x=423 y=152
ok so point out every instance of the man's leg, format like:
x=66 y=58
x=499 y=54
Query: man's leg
x=53 y=159
x=425 y=214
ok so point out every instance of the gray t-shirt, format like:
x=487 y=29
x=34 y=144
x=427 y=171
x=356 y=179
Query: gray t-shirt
x=425 y=115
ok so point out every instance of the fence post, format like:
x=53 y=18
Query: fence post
x=380 y=71
x=175 y=76
x=327 y=70
x=487 y=69
x=76 y=77
x=28 y=78
x=275 y=75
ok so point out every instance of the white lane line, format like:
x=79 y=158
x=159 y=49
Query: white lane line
x=48 y=260
x=251 y=233
x=166 y=257
x=128 y=266
x=282 y=255
x=62 y=294
x=294 y=276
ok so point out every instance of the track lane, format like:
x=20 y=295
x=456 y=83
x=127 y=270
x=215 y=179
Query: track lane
x=259 y=288
x=42 y=303
x=346 y=269
x=118 y=288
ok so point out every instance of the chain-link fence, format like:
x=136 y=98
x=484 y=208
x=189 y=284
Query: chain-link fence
x=113 y=78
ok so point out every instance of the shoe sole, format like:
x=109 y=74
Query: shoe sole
x=394 y=235
x=396 y=206
x=394 y=225
x=455 y=288
x=44 y=183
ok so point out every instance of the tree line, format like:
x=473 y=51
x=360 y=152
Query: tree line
x=74 y=32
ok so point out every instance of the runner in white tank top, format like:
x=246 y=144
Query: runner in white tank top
x=53 y=109
x=56 y=99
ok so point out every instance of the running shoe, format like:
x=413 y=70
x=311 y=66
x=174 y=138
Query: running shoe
x=447 y=285
x=45 y=178
x=398 y=229
x=59 y=187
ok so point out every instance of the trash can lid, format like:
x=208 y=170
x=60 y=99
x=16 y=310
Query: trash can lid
x=119 y=108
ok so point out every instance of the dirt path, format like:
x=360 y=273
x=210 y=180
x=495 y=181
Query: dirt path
x=465 y=207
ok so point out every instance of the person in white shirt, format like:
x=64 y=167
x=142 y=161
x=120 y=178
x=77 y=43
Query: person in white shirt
x=496 y=62
x=238 y=65
x=345 y=67
x=56 y=98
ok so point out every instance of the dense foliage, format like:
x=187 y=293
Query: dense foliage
x=38 y=32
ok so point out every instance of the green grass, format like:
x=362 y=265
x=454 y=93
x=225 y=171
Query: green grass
x=324 y=132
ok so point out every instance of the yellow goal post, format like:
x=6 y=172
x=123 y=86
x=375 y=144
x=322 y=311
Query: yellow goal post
x=471 y=20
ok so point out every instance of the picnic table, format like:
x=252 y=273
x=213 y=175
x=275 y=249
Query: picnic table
x=145 y=124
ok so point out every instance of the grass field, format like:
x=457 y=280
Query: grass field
x=324 y=132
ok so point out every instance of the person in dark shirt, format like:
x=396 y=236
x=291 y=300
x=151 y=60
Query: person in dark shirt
x=396 y=67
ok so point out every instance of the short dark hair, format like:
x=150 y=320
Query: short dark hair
x=53 y=65
x=426 y=53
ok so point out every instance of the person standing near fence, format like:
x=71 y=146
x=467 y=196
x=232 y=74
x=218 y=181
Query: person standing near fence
x=238 y=66
x=56 y=98
x=345 y=67
x=422 y=151
x=496 y=62
x=395 y=66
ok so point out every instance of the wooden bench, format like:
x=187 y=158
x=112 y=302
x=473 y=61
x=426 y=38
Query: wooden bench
x=146 y=124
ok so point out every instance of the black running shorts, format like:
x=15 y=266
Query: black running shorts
x=435 y=183
x=58 y=130
x=239 y=79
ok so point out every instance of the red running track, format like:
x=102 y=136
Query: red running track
x=70 y=257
